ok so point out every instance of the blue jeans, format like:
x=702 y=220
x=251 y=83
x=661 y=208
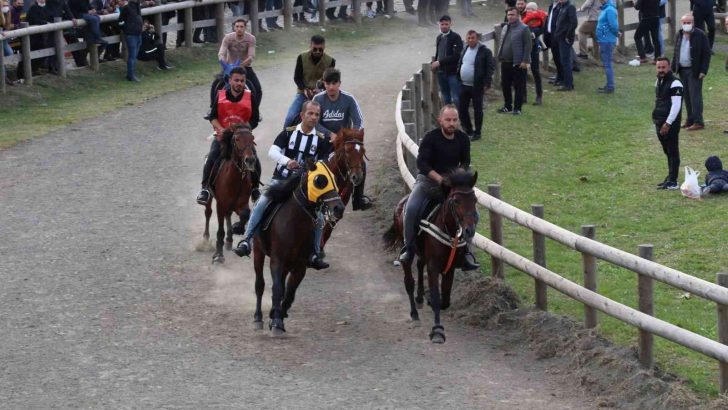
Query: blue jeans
x=565 y=54
x=449 y=88
x=132 y=44
x=7 y=51
x=93 y=21
x=294 y=111
x=660 y=38
x=605 y=53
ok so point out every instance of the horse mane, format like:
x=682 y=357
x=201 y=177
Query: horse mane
x=280 y=193
x=455 y=178
x=227 y=138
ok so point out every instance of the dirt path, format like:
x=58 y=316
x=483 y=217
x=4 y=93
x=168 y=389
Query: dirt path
x=105 y=302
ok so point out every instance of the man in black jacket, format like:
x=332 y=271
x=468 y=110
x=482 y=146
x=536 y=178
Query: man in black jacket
x=130 y=21
x=690 y=61
x=548 y=39
x=666 y=117
x=563 y=38
x=448 y=47
x=703 y=14
x=475 y=71
x=649 y=23
x=82 y=9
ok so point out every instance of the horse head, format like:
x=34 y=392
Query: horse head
x=349 y=154
x=460 y=200
x=243 y=146
x=319 y=185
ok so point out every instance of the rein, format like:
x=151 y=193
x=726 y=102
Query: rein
x=239 y=162
x=349 y=169
x=443 y=237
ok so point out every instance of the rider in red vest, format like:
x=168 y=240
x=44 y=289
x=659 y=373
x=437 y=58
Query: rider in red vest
x=234 y=104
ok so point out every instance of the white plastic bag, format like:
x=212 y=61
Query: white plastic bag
x=690 y=188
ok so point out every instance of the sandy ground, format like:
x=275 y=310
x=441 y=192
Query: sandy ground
x=106 y=303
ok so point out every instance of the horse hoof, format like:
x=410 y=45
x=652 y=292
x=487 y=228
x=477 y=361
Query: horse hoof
x=228 y=245
x=258 y=325
x=276 y=332
x=438 y=339
x=218 y=259
x=437 y=335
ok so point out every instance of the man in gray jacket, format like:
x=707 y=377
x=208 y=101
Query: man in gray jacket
x=514 y=57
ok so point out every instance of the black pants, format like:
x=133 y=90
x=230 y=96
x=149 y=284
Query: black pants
x=647 y=26
x=157 y=55
x=557 y=60
x=701 y=19
x=536 y=69
x=513 y=77
x=671 y=148
x=250 y=75
x=468 y=93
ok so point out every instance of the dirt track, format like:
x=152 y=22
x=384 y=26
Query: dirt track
x=106 y=303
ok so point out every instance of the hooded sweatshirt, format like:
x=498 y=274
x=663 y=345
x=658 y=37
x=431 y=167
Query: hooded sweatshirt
x=607 y=24
x=715 y=171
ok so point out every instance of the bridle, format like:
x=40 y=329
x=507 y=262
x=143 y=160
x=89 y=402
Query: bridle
x=349 y=168
x=451 y=208
x=251 y=146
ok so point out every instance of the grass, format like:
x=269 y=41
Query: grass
x=53 y=102
x=594 y=159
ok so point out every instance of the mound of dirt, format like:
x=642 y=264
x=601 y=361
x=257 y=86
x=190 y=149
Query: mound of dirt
x=612 y=374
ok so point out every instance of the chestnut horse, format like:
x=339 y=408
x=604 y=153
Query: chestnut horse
x=346 y=163
x=232 y=184
x=288 y=241
x=441 y=245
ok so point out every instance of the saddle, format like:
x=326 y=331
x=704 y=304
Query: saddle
x=268 y=214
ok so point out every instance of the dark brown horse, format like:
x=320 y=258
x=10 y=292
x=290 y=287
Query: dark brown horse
x=440 y=245
x=288 y=241
x=346 y=163
x=232 y=184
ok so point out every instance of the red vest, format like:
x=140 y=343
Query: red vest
x=229 y=112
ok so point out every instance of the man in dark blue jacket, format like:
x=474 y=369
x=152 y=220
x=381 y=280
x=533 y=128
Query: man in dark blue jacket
x=475 y=71
x=703 y=14
x=690 y=61
x=563 y=37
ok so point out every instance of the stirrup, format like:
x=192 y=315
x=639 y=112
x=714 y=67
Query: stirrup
x=317 y=262
x=203 y=198
x=243 y=248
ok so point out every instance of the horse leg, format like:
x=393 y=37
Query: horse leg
x=420 y=282
x=295 y=278
x=208 y=214
x=229 y=236
x=409 y=285
x=446 y=288
x=276 y=314
x=258 y=260
x=437 y=335
x=218 y=257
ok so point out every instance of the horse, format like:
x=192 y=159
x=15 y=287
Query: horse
x=441 y=245
x=233 y=183
x=346 y=163
x=288 y=240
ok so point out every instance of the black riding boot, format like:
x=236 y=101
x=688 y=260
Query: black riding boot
x=203 y=198
x=255 y=193
x=359 y=200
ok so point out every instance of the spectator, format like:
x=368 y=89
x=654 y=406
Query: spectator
x=408 y=7
x=240 y=46
x=607 y=34
x=424 y=12
x=690 y=60
x=649 y=22
x=703 y=15
x=448 y=47
x=466 y=8
x=716 y=180
x=548 y=38
x=152 y=47
x=17 y=14
x=588 y=27
x=514 y=57
x=271 y=23
x=130 y=20
x=475 y=70
x=666 y=117
x=82 y=9
x=380 y=9
x=112 y=51
x=310 y=67
x=532 y=15
x=37 y=16
x=4 y=22
x=564 y=33
x=60 y=9
x=661 y=21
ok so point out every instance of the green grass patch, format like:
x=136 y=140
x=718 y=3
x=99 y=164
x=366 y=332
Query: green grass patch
x=594 y=159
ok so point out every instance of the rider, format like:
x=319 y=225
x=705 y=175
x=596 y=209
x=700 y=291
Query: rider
x=233 y=105
x=339 y=109
x=290 y=149
x=310 y=67
x=441 y=150
x=240 y=46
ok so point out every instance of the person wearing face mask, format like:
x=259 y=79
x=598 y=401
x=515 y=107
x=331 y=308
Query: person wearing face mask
x=691 y=59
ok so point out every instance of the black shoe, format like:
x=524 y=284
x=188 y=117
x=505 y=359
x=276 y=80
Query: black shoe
x=406 y=255
x=317 y=262
x=516 y=112
x=255 y=194
x=671 y=185
x=469 y=262
x=605 y=90
x=164 y=67
x=538 y=101
x=362 y=204
x=132 y=79
x=475 y=136
x=503 y=110
x=243 y=248
x=203 y=198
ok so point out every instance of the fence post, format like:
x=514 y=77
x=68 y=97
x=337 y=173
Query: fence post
x=539 y=256
x=220 y=21
x=590 y=277
x=644 y=293
x=356 y=11
x=58 y=45
x=426 y=100
x=496 y=233
x=672 y=21
x=93 y=55
x=496 y=49
x=722 y=280
x=253 y=7
x=417 y=105
x=287 y=15
x=25 y=55
x=620 y=20
x=158 y=25
x=189 y=28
